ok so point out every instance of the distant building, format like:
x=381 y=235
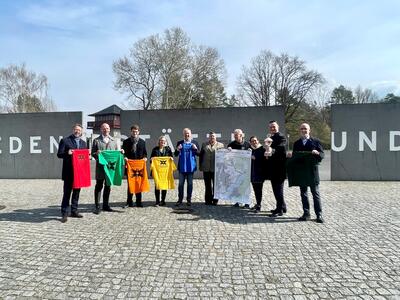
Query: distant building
x=110 y=115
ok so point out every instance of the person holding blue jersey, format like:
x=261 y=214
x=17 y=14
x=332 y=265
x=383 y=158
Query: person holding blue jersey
x=187 y=150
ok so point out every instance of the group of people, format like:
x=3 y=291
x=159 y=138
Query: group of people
x=268 y=163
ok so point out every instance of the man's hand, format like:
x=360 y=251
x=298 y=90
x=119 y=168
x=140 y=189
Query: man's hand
x=289 y=154
x=122 y=151
x=179 y=147
x=194 y=147
x=70 y=151
x=315 y=152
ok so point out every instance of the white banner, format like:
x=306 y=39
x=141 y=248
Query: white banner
x=232 y=175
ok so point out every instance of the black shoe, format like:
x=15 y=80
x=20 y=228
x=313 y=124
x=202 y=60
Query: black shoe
x=139 y=204
x=162 y=203
x=97 y=211
x=215 y=202
x=284 y=210
x=236 y=205
x=276 y=214
x=305 y=217
x=109 y=209
x=157 y=203
x=189 y=203
x=178 y=203
x=246 y=206
x=320 y=219
x=273 y=211
x=64 y=219
x=76 y=215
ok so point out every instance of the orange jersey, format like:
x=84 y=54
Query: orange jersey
x=137 y=176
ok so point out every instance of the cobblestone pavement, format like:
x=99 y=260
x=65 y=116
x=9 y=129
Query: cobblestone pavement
x=202 y=252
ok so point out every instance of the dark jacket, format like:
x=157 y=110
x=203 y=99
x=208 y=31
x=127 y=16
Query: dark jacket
x=239 y=146
x=156 y=151
x=195 y=152
x=312 y=144
x=275 y=165
x=257 y=164
x=65 y=145
x=140 y=149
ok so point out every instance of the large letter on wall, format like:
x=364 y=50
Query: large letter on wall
x=19 y=142
x=344 y=142
x=33 y=143
x=392 y=146
x=370 y=142
x=54 y=143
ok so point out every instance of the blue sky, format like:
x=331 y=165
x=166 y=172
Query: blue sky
x=74 y=43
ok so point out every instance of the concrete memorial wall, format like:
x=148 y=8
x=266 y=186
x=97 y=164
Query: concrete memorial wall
x=223 y=121
x=29 y=143
x=365 y=142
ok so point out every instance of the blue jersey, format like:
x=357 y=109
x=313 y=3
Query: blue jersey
x=187 y=159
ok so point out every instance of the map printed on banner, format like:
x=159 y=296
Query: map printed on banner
x=232 y=175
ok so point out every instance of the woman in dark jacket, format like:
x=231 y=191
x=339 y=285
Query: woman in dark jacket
x=257 y=170
x=161 y=150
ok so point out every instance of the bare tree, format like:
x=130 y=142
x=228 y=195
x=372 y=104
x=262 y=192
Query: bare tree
x=256 y=82
x=173 y=61
x=139 y=74
x=170 y=72
x=23 y=91
x=205 y=79
x=364 y=95
x=277 y=80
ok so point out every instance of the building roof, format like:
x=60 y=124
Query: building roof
x=111 y=110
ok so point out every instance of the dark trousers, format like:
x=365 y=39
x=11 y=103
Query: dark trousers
x=97 y=193
x=67 y=195
x=163 y=195
x=138 y=196
x=208 y=178
x=257 y=187
x=316 y=197
x=182 y=178
x=277 y=188
x=129 y=197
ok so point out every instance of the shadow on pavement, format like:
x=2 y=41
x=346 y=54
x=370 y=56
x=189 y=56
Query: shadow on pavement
x=40 y=215
x=227 y=213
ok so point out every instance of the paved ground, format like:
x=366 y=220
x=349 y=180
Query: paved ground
x=205 y=252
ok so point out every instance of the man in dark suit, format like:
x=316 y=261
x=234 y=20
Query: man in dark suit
x=65 y=149
x=134 y=148
x=313 y=146
x=275 y=155
x=187 y=150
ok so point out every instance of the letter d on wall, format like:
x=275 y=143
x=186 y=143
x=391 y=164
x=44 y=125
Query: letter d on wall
x=19 y=142
x=392 y=145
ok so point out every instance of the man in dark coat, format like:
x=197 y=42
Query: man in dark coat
x=275 y=166
x=134 y=148
x=65 y=149
x=311 y=145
